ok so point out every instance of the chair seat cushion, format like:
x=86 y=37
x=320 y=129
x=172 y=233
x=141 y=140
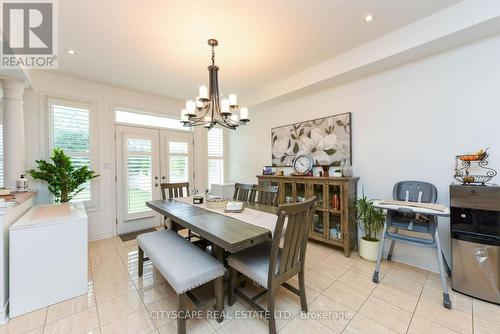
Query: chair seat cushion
x=183 y=265
x=254 y=262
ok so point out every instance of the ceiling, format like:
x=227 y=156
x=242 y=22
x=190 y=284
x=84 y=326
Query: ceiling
x=159 y=46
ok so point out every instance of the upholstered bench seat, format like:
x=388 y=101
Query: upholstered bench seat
x=183 y=265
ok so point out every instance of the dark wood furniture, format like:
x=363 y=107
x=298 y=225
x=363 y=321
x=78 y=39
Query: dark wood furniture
x=267 y=195
x=283 y=263
x=330 y=215
x=242 y=192
x=224 y=232
x=180 y=189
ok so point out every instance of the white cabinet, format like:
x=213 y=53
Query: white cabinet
x=48 y=257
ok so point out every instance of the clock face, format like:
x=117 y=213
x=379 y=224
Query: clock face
x=303 y=164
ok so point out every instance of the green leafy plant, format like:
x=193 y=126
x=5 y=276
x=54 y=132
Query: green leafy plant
x=369 y=218
x=64 y=180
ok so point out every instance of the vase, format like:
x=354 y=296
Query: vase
x=368 y=250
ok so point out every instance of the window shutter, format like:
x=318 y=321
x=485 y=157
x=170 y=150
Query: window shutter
x=71 y=132
x=215 y=156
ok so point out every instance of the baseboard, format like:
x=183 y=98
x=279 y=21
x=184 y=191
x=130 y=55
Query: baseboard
x=99 y=236
x=4 y=317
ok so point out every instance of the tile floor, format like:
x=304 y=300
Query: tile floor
x=408 y=300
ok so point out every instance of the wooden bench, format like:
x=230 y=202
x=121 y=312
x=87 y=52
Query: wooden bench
x=185 y=267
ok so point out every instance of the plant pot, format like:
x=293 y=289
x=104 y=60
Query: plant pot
x=368 y=250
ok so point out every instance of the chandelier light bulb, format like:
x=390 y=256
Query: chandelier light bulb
x=199 y=102
x=203 y=90
x=233 y=100
x=190 y=108
x=244 y=114
x=224 y=106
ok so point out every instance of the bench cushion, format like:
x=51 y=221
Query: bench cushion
x=183 y=265
x=254 y=262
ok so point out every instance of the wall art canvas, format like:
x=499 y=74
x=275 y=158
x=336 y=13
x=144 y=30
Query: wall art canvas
x=327 y=140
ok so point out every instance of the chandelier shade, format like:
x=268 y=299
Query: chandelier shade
x=211 y=108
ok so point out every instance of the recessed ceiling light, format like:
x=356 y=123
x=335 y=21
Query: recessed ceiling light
x=369 y=18
x=71 y=52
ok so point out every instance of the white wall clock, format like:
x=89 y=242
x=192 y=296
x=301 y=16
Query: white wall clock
x=303 y=164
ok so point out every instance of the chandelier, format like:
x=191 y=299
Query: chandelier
x=210 y=107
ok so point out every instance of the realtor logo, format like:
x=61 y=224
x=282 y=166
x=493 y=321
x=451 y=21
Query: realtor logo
x=28 y=34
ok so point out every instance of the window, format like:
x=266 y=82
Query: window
x=130 y=117
x=215 y=156
x=70 y=130
x=1 y=150
x=139 y=174
x=178 y=162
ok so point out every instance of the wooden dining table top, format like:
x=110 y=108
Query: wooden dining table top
x=229 y=233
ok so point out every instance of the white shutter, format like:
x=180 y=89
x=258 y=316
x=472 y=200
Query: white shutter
x=215 y=156
x=1 y=155
x=70 y=131
x=178 y=161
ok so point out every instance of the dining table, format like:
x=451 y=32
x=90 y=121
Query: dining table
x=231 y=232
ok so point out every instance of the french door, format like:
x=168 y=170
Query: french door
x=144 y=159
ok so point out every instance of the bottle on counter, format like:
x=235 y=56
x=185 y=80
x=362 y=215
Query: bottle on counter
x=22 y=183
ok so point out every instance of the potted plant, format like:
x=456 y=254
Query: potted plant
x=64 y=180
x=371 y=221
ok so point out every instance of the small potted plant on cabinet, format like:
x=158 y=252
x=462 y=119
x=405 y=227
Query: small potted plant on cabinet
x=64 y=180
x=371 y=220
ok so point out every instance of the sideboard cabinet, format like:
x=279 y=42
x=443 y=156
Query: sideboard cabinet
x=333 y=222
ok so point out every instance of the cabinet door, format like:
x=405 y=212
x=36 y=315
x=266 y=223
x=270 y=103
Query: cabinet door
x=318 y=189
x=301 y=191
x=287 y=191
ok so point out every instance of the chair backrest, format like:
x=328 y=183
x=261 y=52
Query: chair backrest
x=174 y=190
x=267 y=195
x=286 y=262
x=242 y=192
x=410 y=190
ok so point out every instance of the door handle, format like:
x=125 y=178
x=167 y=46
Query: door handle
x=156 y=184
x=156 y=177
x=163 y=177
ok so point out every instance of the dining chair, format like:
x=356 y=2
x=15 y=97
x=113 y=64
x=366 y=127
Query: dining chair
x=242 y=192
x=175 y=190
x=267 y=195
x=270 y=265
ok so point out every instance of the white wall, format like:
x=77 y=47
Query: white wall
x=106 y=98
x=407 y=123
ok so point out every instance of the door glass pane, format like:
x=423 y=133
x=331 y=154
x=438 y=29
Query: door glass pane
x=179 y=169
x=139 y=145
x=178 y=147
x=139 y=182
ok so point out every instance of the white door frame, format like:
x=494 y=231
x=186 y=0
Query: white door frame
x=160 y=164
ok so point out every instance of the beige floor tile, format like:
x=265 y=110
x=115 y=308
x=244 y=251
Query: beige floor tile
x=409 y=286
x=193 y=326
x=486 y=311
x=161 y=310
x=396 y=296
x=454 y=319
x=363 y=325
x=358 y=281
x=420 y=325
x=306 y=326
x=328 y=269
x=244 y=326
x=367 y=268
x=107 y=291
x=331 y=314
x=82 y=322
x=317 y=280
x=24 y=323
x=113 y=274
x=347 y=295
x=485 y=327
x=386 y=314
x=70 y=306
x=230 y=313
x=311 y=292
x=137 y=322
x=434 y=280
x=119 y=307
x=285 y=311
x=458 y=301
x=337 y=258
x=38 y=330
x=411 y=273
x=155 y=293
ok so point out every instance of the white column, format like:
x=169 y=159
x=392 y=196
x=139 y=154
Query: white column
x=13 y=131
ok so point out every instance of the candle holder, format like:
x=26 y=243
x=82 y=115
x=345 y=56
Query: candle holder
x=325 y=170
